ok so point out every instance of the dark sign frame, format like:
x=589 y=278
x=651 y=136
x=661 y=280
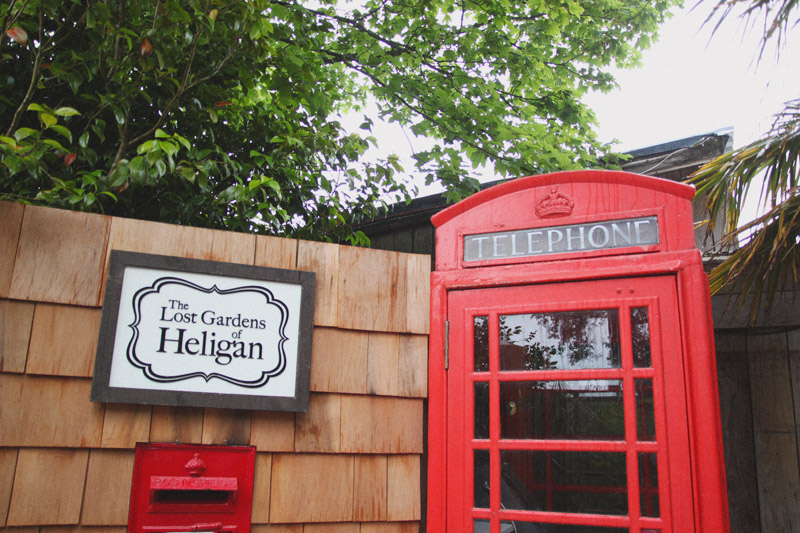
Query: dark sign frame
x=103 y=391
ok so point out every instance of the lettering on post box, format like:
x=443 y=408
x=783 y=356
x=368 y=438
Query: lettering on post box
x=185 y=332
x=587 y=237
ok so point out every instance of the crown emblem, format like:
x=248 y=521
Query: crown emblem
x=195 y=466
x=556 y=204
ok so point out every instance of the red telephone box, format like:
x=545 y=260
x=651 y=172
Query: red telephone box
x=572 y=369
x=181 y=488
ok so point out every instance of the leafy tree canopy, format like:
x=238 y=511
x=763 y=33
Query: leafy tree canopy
x=226 y=113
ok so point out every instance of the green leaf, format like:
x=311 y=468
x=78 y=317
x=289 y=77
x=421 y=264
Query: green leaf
x=62 y=131
x=66 y=111
x=83 y=141
x=23 y=133
x=47 y=119
x=36 y=107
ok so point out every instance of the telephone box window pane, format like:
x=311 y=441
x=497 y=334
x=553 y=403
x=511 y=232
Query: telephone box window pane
x=585 y=409
x=481 y=480
x=640 y=333
x=480 y=329
x=648 y=484
x=645 y=416
x=569 y=482
x=481 y=410
x=523 y=527
x=483 y=526
x=570 y=340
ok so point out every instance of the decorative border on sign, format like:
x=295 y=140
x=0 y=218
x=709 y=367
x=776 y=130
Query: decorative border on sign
x=119 y=261
x=154 y=376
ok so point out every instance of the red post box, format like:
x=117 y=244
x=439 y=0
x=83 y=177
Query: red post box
x=572 y=375
x=183 y=488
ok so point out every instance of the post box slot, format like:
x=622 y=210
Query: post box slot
x=168 y=491
x=192 y=497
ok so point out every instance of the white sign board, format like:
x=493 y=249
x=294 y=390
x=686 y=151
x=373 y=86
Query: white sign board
x=187 y=332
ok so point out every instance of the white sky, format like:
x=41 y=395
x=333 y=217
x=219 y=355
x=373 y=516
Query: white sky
x=691 y=83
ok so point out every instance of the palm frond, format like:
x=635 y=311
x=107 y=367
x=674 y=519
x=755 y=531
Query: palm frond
x=771 y=254
x=777 y=16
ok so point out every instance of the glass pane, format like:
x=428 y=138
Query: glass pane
x=481 y=410
x=648 y=484
x=564 y=341
x=640 y=336
x=645 y=417
x=482 y=526
x=481 y=480
x=480 y=332
x=572 y=482
x=586 y=409
x=564 y=528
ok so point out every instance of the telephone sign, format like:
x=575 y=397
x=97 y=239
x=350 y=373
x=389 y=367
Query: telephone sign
x=572 y=372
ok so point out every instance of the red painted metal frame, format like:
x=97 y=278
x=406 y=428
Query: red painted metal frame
x=658 y=294
x=595 y=192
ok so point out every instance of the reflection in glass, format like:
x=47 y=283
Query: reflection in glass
x=585 y=409
x=480 y=332
x=572 y=482
x=563 y=341
x=648 y=484
x=640 y=337
x=645 y=416
x=567 y=528
x=481 y=410
x=481 y=479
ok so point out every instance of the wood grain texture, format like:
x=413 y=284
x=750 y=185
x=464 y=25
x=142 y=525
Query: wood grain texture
x=770 y=382
x=339 y=361
x=10 y=225
x=382 y=375
x=277 y=528
x=8 y=464
x=319 y=430
x=323 y=259
x=78 y=529
x=332 y=528
x=108 y=488
x=404 y=488
x=372 y=290
x=48 y=412
x=390 y=527
x=311 y=488
x=226 y=426
x=369 y=498
x=412 y=366
x=737 y=429
x=16 y=320
x=48 y=487
x=778 y=482
x=176 y=424
x=381 y=425
x=60 y=257
x=261 y=488
x=63 y=340
x=180 y=241
x=418 y=286
x=125 y=424
x=273 y=431
x=793 y=338
x=276 y=252
x=231 y=247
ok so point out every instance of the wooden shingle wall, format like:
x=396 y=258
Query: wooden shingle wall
x=759 y=387
x=350 y=465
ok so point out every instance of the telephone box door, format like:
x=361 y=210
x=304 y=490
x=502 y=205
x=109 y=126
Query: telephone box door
x=568 y=409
